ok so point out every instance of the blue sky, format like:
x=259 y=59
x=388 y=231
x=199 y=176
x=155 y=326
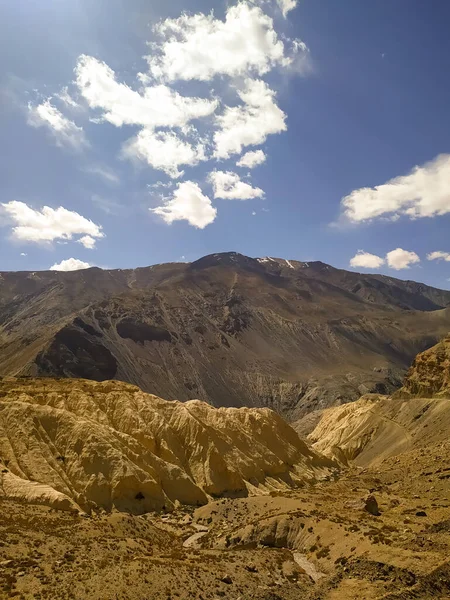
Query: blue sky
x=346 y=103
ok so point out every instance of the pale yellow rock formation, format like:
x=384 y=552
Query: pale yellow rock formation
x=377 y=427
x=110 y=445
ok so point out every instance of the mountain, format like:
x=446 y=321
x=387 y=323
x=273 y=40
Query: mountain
x=226 y=329
x=77 y=444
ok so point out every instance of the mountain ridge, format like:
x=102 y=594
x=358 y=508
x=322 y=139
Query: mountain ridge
x=227 y=329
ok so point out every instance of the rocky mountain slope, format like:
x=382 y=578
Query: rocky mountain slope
x=77 y=444
x=226 y=329
x=377 y=427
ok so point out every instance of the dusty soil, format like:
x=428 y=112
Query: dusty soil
x=314 y=543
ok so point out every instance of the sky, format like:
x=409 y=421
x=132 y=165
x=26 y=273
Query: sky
x=136 y=133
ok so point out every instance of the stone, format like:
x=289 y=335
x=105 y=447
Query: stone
x=371 y=505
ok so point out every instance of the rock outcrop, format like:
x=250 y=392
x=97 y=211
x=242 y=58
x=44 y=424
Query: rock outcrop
x=81 y=444
x=429 y=375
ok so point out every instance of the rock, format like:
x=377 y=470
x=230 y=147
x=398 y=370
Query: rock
x=290 y=570
x=251 y=568
x=186 y=520
x=429 y=375
x=134 y=452
x=371 y=505
x=421 y=513
x=227 y=579
x=6 y=563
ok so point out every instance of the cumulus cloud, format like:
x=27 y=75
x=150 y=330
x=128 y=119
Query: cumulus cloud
x=232 y=54
x=48 y=224
x=229 y=186
x=188 y=203
x=401 y=259
x=63 y=130
x=252 y=159
x=88 y=242
x=251 y=123
x=424 y=192
x=439 y=255
x=71 y=264
x=201 y=47
x=156 y=106
x=365 y=260
x=165 y=151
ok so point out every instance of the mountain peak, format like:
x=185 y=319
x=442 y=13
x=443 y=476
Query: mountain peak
x=224 y=259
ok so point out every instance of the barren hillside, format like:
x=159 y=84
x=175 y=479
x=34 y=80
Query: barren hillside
x=227 y=329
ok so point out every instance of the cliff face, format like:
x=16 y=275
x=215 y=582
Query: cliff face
x=227 y=329
x=429 y=375
x=80 y=444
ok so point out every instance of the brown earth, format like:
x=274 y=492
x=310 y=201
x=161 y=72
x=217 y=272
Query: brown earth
x=378 y=529
x=226 y=329
x=315 y=543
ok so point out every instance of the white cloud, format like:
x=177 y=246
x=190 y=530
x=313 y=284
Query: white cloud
x=229 y=186
x=187 y=203
x=66 y=98
x=252 y=159
x=401 y=259
x=88 y=242
x=71 y=264
x=200 y=46
x=365 y=260
x=164 y=150
x=160 y=185
x=286 y=6
x=439 y=255
x=424 y=192
x=23 y=254
x=48 y=224
x=251 y=123
x=63 y=130
x=157 y=106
